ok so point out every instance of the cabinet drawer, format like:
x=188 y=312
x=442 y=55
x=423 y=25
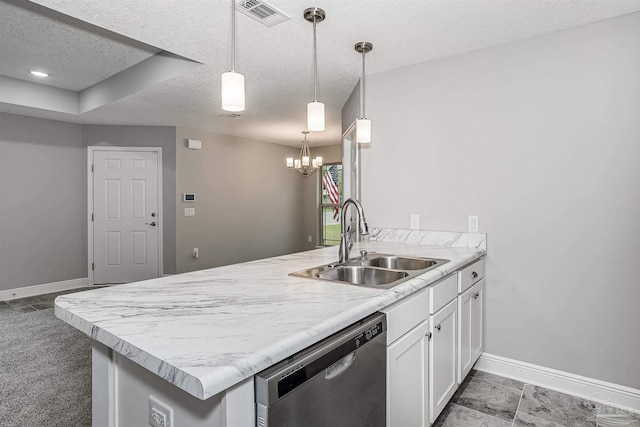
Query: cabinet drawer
x=405 y=314
x=470 y=275
x=442 y=292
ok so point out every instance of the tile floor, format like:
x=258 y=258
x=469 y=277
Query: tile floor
x=483 y=400
x=486 y=400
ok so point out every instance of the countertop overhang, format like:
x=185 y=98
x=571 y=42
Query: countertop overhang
x=207 y=330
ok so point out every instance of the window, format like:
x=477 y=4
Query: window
x=330 y=202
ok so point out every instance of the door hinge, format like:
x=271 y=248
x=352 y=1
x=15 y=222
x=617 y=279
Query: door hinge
x=91 y=168
x=91 y=217
x=93 y=266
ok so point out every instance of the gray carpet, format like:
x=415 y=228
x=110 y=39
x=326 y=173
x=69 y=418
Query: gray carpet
x=45 y=371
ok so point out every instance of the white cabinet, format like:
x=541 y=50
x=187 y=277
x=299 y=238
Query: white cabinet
x=442 y=358
x=407 y=379
x=434 y=337
x=470 y=342
x=470 y=312
x=407 y=361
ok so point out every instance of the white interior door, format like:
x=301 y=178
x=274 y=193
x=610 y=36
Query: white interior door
x=126 y=219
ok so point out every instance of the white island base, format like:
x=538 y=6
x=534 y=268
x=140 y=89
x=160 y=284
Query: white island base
x=121 y=390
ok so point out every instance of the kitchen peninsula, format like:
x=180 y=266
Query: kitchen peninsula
x=195 y=340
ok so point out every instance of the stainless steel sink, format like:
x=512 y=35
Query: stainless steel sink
x=374 y=270
x=359 y=275
x=400 y=263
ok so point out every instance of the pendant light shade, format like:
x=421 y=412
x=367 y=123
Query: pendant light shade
x=232 y=82
x=315 y=109
x=232 y=91
x=363 y=126
x=315 y=116
x=363 y=131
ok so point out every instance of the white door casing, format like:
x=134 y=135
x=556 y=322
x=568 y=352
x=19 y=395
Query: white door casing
x=125 y=225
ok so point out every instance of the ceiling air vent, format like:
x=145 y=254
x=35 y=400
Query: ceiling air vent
x=261 y=12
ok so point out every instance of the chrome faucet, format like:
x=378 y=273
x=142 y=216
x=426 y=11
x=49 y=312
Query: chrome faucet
x=345 y=244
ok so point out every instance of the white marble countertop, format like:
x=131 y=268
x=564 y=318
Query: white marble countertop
x=207 y=330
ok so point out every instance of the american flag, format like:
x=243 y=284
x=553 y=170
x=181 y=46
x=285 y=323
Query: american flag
x=330 y=182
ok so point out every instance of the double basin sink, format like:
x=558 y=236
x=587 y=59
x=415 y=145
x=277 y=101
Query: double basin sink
x=373 y=270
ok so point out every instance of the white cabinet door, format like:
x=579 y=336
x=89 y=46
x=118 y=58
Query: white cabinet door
x=470 y=329
x=407 y=374
x=477 y=322
x=442 y=358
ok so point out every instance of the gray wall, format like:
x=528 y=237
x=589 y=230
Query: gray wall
x=248 y=205
x=147 y=136
x=43 y=201
x=540 y=139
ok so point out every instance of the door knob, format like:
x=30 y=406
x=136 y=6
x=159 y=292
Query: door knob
x=153 y=214
x=438 y=327
x=153 y=224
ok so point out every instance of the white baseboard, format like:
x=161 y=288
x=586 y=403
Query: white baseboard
x=596 y=391
x=30 y=291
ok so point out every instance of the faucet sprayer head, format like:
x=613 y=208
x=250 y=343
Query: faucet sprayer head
x=364 y=228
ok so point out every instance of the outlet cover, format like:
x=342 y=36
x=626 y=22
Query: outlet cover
x=160 y=414
x=189 y=211
x=415 y=221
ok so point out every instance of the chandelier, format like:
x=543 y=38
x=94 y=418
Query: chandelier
x=304 y=165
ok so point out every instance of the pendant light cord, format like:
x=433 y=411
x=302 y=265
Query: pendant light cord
x=315 y=64
x=362 y=116
x=233 y=36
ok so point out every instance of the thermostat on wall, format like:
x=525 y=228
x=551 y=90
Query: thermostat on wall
x=188 y=197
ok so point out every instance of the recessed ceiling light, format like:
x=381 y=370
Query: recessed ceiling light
x=39 y=73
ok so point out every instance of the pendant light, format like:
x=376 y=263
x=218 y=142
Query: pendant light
x=232 y=82
x=315 y=109
x=363 y=126
x=304 y=164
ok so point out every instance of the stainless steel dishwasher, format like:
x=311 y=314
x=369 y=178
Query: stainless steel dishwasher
x=338 y=382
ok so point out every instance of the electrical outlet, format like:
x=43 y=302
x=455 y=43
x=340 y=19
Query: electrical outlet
x=415 y=221
x=160 y=414
x=473 y=224
x=189 y=211
x=310 y=238
x=196 y=253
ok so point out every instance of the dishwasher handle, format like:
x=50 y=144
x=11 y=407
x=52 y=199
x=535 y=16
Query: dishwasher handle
x=340 y=366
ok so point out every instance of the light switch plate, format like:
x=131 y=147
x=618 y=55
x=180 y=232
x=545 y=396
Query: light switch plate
x=473 y=224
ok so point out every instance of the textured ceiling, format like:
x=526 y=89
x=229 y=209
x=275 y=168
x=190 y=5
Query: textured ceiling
x=277 y=61
x=75 y=55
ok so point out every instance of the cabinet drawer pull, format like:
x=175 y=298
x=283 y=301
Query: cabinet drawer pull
x=474 y=275
x=476 y=295
x=438 y=327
